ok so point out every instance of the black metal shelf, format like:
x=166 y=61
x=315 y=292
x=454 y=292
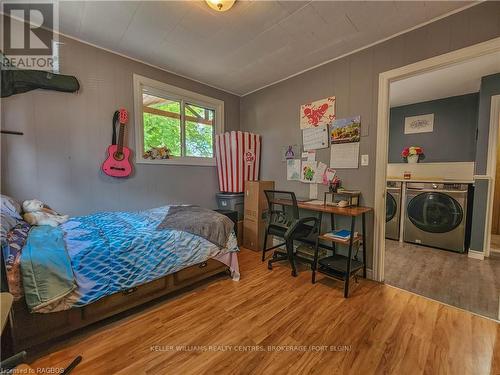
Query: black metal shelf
x=336 y=266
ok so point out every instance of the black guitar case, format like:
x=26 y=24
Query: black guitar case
x=17 y=81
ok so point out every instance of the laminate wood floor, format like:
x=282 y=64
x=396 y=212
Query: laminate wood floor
x=378 y=330
x=452 y=278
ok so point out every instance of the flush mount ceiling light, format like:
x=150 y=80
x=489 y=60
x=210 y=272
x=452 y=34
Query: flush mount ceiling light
x=220 y=5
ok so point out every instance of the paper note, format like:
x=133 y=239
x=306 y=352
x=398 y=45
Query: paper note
x=290 y=152
x=313 y=191
x=308 y=171
x=329 y=175
x=320 y=171
x=344 y=155
x=317 y=113
x=293 y=169
x=311 y=155
x=315 y=138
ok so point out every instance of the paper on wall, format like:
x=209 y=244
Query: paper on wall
x=308 y=172
x=320 y=171
x=315 y=138
x=344 y=155
x=329 y=175
x=313 y=191
x=293 y=169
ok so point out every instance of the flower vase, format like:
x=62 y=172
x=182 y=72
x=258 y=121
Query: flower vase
x=412 y=159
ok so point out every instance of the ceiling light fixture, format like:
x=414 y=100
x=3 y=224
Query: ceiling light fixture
x=220 y=5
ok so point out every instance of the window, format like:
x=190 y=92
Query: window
x=180 y=123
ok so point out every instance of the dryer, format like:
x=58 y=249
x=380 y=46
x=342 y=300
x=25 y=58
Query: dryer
x=436 y=215
x=392 y=209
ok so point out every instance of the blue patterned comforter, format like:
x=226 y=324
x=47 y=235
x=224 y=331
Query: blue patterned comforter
x=114 y=251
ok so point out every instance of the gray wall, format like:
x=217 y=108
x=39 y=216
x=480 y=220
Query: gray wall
x=65 y=138
x=273 y=111
x=455 y=123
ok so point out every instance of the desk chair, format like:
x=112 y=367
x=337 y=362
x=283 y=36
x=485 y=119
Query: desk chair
x=286 y=224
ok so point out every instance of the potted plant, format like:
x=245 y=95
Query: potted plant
x=412 y=154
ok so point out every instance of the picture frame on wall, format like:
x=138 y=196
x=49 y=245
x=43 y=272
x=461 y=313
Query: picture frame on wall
x=419 y=124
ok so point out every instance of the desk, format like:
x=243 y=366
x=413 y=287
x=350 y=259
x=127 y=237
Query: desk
x=337 y=266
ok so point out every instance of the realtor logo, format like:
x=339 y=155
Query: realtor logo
x=28 y=34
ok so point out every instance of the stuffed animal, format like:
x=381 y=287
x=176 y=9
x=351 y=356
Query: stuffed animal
x=36 y=213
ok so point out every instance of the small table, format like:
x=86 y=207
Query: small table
x=337 y=266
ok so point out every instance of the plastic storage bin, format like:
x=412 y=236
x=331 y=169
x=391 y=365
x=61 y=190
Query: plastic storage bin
x=231 y=201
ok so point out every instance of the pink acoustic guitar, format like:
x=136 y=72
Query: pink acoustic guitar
x=117 y=163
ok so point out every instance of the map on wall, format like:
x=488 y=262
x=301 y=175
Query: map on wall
x=318 y=113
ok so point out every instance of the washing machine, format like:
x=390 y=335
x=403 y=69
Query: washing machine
x=392 y=209
x=436 y=215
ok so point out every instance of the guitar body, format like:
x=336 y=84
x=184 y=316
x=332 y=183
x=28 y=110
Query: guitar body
x=117 y=165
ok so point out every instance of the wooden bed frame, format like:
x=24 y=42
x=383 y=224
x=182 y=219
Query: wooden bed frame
x=31 y=329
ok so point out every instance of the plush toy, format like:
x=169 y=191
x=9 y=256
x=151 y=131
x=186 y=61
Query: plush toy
x=36 y=213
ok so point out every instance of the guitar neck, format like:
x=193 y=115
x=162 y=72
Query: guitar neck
x=121 y=136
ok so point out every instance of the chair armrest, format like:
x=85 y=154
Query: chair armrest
x=299 y=222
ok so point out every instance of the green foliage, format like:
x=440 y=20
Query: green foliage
x=160 y=131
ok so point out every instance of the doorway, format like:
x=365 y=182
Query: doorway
x=419 y=260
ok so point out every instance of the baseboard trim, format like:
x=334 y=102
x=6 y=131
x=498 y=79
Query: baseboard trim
x=476 y=254
x=497 y=251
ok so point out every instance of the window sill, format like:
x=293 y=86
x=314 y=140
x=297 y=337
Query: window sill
x=197 y=162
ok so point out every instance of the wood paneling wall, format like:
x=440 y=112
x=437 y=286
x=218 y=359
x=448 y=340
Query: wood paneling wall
x=65 y=138
x=273 y=111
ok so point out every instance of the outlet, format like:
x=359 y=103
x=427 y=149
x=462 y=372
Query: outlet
x=364 y=160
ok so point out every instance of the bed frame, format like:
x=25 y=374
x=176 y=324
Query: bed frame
x=31 y=329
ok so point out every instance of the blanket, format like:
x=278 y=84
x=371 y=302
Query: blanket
x=199 y=221
x=46 y=267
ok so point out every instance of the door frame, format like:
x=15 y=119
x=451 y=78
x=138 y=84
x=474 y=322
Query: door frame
x=491 y=169
x=385 y=79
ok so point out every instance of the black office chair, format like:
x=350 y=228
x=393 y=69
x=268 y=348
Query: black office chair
x=284 y=222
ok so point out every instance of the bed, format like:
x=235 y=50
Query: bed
x=96 y=266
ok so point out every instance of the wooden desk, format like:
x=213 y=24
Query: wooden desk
x=337 y=266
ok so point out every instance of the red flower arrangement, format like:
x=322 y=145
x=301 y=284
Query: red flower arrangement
x=410 y=151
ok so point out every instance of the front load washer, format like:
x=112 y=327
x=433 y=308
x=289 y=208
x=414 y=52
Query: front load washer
x=436 y=215
x=392 y=209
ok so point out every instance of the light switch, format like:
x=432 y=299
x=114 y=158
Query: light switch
x=364 y=160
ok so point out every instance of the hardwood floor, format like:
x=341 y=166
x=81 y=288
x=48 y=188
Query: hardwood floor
x=452 y=278
x=379 y=329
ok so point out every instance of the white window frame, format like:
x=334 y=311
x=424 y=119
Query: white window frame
x=167 y=91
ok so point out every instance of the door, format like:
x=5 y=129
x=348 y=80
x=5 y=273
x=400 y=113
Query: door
x=390 y=208
x=435 y=212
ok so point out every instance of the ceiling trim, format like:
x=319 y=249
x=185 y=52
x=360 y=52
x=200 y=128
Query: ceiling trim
x=367 y=46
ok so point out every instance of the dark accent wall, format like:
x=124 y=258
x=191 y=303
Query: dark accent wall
x=273 y=111
x=455 y=123
x=66 y=135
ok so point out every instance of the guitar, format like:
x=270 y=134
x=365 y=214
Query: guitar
x=117 y=163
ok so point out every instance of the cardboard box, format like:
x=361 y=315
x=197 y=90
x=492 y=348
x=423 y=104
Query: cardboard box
x=253 y=235
x=239 y=236
x=255 y=218
x=255 y=204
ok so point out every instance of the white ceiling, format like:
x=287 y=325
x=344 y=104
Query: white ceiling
x=254 y=44
x=459 y=79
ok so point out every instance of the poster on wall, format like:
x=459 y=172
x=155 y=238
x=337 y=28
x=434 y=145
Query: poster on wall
x=308 y=172
x=293 y=169
x=315 y=138
x=318 y=113
x=290 y=152
x=346 y=130
x=419 y=124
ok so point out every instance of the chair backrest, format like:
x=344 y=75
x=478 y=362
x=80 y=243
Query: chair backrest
x=283 y=208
